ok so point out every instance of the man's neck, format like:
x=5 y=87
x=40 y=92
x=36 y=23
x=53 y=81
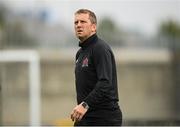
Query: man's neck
x=85 y=38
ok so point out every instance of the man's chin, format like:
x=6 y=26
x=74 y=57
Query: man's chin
x=80 y=37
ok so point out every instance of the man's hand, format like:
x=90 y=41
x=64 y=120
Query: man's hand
x=78 y=112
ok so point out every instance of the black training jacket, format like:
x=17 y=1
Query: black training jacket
x=95 y=74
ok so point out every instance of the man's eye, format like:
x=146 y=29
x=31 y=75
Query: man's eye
x=82 y=21
x=76 y=22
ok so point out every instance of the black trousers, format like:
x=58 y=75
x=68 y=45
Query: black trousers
x=101 y=121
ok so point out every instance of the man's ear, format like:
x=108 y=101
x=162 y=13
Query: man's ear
x=93 y=27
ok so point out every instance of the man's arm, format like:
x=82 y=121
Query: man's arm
x=102 y=61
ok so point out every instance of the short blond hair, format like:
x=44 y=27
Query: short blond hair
x=92 y=15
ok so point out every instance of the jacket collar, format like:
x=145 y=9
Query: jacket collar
x=92 y=39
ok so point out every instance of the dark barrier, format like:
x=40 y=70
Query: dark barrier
x=151 y=122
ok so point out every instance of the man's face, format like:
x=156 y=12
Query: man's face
x=83 y=26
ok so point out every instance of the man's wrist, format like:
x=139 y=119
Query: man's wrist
x=85 y=105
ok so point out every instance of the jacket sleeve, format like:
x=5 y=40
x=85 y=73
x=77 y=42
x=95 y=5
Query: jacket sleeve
x=102 y=61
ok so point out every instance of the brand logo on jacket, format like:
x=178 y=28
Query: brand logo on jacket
x=85 y=62
x=77 y=61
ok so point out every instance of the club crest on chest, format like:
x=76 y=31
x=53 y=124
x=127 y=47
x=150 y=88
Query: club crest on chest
x=85 y=62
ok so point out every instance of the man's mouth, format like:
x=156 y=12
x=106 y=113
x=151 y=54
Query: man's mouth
x=79 y=31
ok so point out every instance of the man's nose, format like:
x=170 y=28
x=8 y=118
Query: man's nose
x=78 y=24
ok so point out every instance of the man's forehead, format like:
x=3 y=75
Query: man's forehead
x=85 y=15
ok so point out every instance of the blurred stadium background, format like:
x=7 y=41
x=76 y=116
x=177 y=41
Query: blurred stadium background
x=147 y=54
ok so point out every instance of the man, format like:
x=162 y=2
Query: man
x=96 y=79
